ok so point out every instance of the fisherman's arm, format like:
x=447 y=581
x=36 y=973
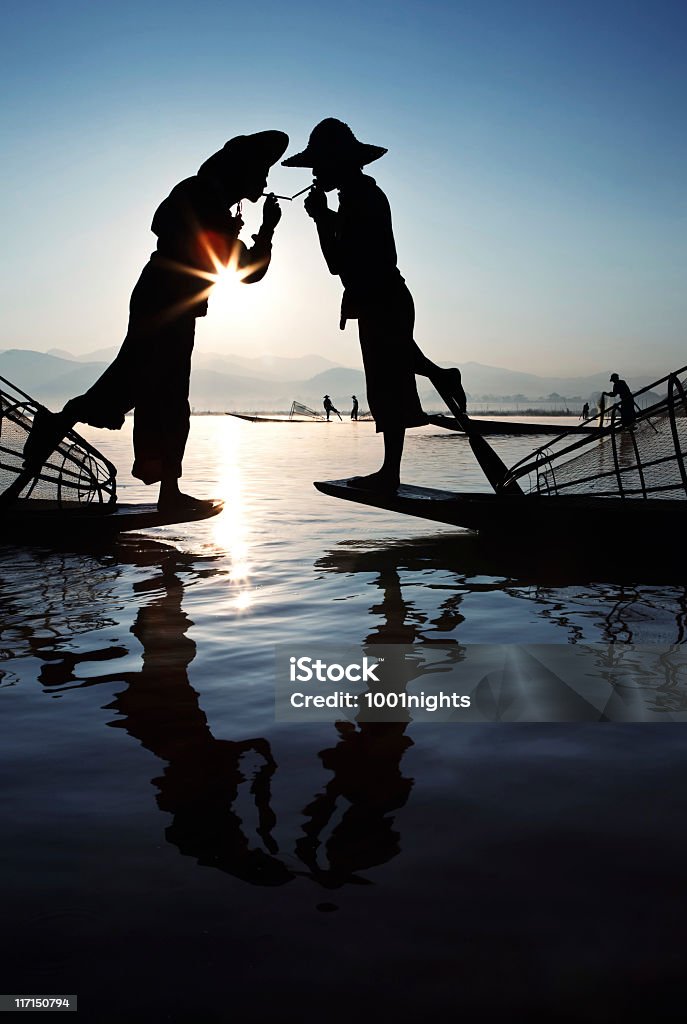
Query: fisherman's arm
x=260 y=253
x=325 y=221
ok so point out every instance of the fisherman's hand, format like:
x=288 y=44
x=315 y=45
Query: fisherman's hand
x=271 y=213
x=315 y=202
x=236 y=223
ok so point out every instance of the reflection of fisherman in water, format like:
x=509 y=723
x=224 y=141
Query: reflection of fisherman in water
x=357 y=242
x=203 y=775
x=328 y=407
x=366 y=763
x=197 y=236
x=622 y=391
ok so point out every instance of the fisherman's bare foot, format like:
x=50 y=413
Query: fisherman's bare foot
x=379 y=481
x=177 y=501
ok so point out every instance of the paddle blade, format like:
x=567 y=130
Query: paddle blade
x=491 y=465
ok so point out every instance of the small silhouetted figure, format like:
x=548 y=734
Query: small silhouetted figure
x=354 y=409
x=622 y=391
x=328 y=407
x=585 y=411
x=357 y=242
x=197 y=236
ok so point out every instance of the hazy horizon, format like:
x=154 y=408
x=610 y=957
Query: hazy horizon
x=649 y=367
x=534 y=171
x=253 y=356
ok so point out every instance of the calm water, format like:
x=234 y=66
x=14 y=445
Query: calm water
x=172 y=853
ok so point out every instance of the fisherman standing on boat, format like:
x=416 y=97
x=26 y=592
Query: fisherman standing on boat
x=622 y=391
x=354 y=409
x=357 y=242
x=197 y=237
x=328 y=407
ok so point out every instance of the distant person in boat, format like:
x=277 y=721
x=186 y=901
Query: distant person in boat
x=622 y=391
x=584 y=415
x=328 y=407
x=357 y=242
x=354 y=409
x=197 y=236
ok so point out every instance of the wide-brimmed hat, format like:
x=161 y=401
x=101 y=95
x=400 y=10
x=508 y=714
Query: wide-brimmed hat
x=332 y=139
x=260 y=150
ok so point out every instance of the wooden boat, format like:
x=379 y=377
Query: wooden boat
x=72 y=495
x=510 y=427
x=565 y=516
x=40 y=521
x=624 y=484
x=273 y=419
x=289 y=419
x=506 y=427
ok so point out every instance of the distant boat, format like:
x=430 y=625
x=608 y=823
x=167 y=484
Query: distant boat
x=506 y=425
x=298 y=413
x=270 y=419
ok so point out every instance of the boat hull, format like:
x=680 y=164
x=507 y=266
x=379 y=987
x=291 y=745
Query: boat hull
x=26 y=521
x=533 y=514
x=510 y=427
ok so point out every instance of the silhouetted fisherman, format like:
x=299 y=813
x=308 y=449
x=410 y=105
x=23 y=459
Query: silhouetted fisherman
x=584 y=415
x=197 y=236
x=204 y=776
x=622 y=391
x=328 y=407
x=354 y=409
x=357 y=243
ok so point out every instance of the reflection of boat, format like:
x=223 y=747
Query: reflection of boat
x=628 y=480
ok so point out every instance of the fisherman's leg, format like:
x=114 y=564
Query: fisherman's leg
x=105 y=404
x=162 y=414
x=388 y=477
x=448 y=382
x=171 y=497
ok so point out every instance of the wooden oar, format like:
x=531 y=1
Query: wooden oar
x=491 y=465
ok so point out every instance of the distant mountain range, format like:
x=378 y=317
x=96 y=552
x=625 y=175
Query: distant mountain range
x=232 y=382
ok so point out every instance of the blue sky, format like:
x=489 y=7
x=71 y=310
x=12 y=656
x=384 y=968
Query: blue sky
x=536 y=165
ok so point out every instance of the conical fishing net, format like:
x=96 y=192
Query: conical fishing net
x=75 y=473
x=297 y=409
x=644 y=459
